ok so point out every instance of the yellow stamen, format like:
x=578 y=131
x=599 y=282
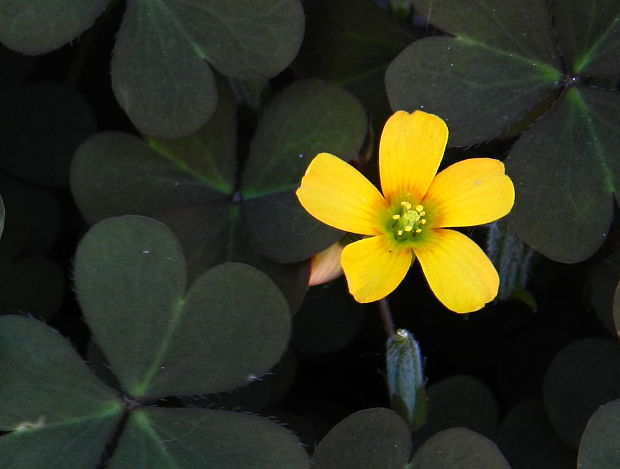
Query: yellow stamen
x=396 y=217
x=418 y=230
x=400 y=232
x=408 y=228
x=418 y=208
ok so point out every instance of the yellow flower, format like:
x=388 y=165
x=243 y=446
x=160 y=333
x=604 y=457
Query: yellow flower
x=411 y=218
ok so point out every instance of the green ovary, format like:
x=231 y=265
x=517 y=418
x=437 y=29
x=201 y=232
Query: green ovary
x=407 y=222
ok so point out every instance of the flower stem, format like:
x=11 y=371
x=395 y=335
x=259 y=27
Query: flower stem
x=386 y=317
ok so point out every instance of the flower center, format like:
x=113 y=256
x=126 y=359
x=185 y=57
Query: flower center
x=408 y=221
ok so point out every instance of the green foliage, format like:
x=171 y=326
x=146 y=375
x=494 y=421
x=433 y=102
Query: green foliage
x=504 y=58
x=148 y=215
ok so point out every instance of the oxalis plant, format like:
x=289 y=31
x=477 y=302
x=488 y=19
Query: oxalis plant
x=331 y=234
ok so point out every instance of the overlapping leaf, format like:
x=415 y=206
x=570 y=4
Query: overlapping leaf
x=503 y=59
x=160 y=74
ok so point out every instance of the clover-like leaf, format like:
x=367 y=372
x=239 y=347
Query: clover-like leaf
x=40 y=26
x=579 y=380
x=162 y=338
x=571 y=186
x=459 y=448
x=500 y=63
x=186 y=183
x=308 y=118
x=589 y=35
x=598 y=447
x=210 y=438
x=368 y=439
x=159 y=74
x=41 y=125
x=58 y=413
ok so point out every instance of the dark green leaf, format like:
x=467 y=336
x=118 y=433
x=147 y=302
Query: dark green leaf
x=41 y=125
x=308 y=118
x=159 y=74
x=77 y=444
x=210 y=153
x=528 y=440
x=459 y=401
x=39 y=26
x=571 y=187
x=589 y=35
x=599 y=447
x=60 y=415
x=369 y=439
x=14 y=67
x=115 y=173
x=211 y=439
x=231 y=326
x=459 y=448
x=353 y=54
x=581 y=378
x=522 y=29
x=162 y=84
x=478 y=89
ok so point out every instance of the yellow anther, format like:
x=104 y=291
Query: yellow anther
x=396 y=217
x=406 y=204
x=408 y=228
x=419 y=208
x=418 y=230
x=422 y=213
x=423 y=221
x=400 y=232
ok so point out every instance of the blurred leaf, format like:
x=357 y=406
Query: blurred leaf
x=32 y=285
x=161 y=41
x=599 y=447
x=307 y=118
x=571 y=186
x=581 y=378
x=528 y=440
x=328 y=319
x=353 y=54
x=589 y=35
x=458 y=401
x=41 y=125
x=192 y=438
x=33 y=222
x=477 y=88
x=522 y=29
x=60 y=415
x=230 y=326
x=459 y=448
x=603 y=280
x=368 y=439
x=40 y=26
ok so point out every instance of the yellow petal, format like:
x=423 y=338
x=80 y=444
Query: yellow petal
x=337 y=194
x=471 y=192
x=325 y=265
x=460 y=274
x=373 y=268
x=410 y=151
